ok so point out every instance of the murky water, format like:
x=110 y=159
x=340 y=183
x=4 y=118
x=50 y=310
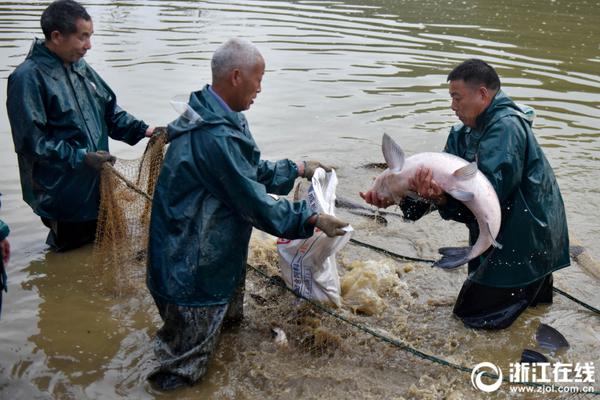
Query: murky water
x=339 y=75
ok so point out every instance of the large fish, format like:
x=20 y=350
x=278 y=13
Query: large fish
x=459 y=179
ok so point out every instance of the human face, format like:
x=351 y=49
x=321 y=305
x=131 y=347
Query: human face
x=468 y=101
x=72 y=47
x=248 y=85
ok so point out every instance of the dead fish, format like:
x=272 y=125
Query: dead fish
x=459 y=179
x=279 y=337
x=532 y=356
x=549 y=338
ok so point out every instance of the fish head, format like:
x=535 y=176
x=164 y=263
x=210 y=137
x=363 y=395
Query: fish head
x=390 y=184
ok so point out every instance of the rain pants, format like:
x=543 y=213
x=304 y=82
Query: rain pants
x=533 y=233
x=57 y=114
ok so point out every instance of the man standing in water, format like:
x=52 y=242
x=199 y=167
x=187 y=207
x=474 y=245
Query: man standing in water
x=212 y=190
x=497 y=135
x=61 y=114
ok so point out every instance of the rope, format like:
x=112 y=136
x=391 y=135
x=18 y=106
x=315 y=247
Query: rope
x=402 y=257
x=581 y=303
x=394 y=342
x=129 y=184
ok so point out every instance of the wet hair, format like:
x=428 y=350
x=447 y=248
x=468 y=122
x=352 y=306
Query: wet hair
x=62 y=16
x=234 y=53
x=475 y=71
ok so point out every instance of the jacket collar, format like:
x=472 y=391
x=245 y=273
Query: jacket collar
x=50 y=62
x=500 y=101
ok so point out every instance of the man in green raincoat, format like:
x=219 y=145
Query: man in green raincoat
x=212 y=190
x=497 y=134
x=61 y=114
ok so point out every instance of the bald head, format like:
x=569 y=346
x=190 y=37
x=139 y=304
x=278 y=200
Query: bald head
x=234 y=54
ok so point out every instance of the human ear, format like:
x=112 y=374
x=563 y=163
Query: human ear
x=55 y=37
x=236 y=77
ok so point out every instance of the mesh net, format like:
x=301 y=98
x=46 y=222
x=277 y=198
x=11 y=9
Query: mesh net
x=126 y=190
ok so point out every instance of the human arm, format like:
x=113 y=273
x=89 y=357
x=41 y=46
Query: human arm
x=33 y=138
x=278 y=177
x=121 y=125
x=232 y=179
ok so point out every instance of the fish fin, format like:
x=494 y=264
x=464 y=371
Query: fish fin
x=452 y=257
x=466 y=172
x=393 y=154
x=461 y=195
x=532 y=356
x=494 y=243
x=549 y=338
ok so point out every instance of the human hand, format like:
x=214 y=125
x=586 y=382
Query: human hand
x=372 y=198
x=426 y=187
x=307 y=168
x=95 y=159
x=150 y=131
x=5 y=251
x=330 y=225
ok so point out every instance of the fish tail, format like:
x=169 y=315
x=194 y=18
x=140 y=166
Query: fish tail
x=452 y=257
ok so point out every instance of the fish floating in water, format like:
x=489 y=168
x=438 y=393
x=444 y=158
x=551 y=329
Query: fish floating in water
x=459 y=179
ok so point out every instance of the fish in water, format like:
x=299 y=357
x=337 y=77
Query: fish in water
x=459 y=179
x=279 y=337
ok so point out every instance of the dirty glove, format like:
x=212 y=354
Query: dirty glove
x=159 y=133
x=331 y=225
x=311 y=166
x=95 y=159
x=159 y=130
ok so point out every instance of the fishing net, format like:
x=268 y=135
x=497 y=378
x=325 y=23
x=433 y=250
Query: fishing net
x=126 y=190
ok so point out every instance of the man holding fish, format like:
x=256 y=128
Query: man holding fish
x=514 y=248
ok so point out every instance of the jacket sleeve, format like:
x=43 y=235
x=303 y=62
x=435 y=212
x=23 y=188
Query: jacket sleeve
x=278 y=177
x=28 y=121
x=414 y=209
x=121 y=125
x=233 y=180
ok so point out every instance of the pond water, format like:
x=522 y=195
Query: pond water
x=339 y=75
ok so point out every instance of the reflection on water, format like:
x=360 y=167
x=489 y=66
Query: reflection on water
x=339 y=74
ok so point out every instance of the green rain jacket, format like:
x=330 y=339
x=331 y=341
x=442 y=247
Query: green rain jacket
x=211 y=191
x=57 y=115
x=533 y=233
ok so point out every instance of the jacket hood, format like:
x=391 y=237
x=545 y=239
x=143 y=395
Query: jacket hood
x=502 y=105
x=202 y=109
